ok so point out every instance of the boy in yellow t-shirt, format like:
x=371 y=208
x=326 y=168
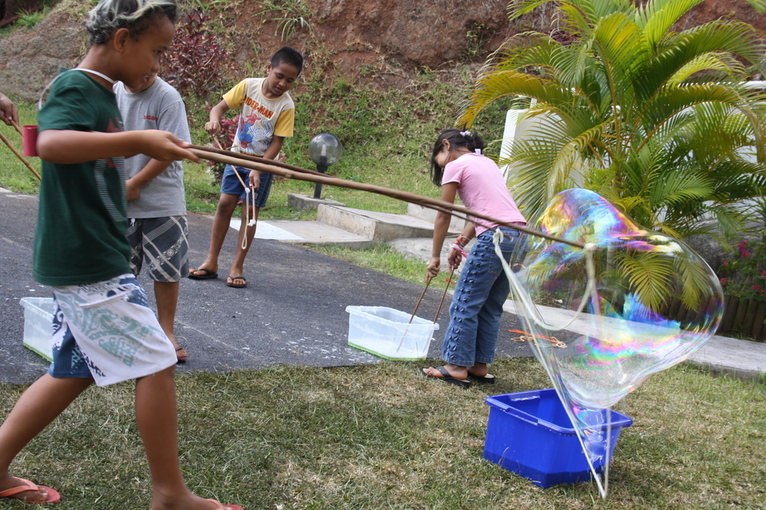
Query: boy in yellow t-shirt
x=267 y=117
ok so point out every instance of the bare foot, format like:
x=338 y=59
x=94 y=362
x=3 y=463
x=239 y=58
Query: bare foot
x=203 y=273
x=478 y=370
x=455 y=371
x=181 y=355
x=192 y=502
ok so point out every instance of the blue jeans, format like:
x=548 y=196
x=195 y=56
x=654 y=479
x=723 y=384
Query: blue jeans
x=477 y=304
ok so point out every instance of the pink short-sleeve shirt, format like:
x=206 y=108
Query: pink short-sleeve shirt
x=481 y=188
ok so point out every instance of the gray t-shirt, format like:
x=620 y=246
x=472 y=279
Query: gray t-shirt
x=158 y=107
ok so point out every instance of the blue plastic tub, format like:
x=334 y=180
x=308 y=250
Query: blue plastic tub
x=530 y=434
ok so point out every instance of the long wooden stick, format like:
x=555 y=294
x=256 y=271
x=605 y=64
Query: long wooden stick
x=439 y=309
x=16 y=125
x=420 y=299
x=216 y=142
x=18 y=155
x=256 y=159
x=291 y=172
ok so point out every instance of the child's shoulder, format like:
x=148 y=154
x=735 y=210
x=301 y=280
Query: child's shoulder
x=70 y=76
x=73 y=81
x=245 y=85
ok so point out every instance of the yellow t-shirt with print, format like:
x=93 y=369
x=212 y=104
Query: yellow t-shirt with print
x=261 y=118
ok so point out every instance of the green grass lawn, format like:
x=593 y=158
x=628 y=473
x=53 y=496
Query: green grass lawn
x=383 y=436
x=14 y=175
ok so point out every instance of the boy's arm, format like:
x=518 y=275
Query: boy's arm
x=213 y=126
x=151 y=170
x=70 y=147
x=271 y=153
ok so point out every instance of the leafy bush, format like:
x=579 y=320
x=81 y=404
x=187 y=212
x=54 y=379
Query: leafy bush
x=196 y=65
x=744 y=275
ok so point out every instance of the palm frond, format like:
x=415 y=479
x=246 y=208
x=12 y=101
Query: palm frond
x=511 y=83
x=617 y=42
x=720 y=65
x=657 y=17
x=650 y=275
x=678 y=51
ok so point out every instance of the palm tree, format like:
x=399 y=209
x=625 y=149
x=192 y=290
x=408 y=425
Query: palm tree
x=655 y=120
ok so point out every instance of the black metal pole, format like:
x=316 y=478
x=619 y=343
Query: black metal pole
x=318 y=186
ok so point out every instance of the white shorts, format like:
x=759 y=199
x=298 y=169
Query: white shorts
x=108 y=332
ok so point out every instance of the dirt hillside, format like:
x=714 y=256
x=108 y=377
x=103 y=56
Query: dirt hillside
x=374 y=41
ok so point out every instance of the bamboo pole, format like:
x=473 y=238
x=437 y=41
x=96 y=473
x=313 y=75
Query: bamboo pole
x=293 y=172
x=420 y=299
x=444 y=294
x=18 y=155
x=16 y=125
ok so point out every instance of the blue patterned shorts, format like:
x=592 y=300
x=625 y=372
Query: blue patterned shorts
x=108 y=332
x=162 y=244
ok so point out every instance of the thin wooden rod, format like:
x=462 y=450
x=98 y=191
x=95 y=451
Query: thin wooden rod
x=301 y=174
x=256 y=159
x=444 y=294
x=16 y=125
x=420 y=299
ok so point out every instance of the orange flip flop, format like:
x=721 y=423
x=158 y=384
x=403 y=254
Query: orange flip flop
x=221 y=506
x=52 y=495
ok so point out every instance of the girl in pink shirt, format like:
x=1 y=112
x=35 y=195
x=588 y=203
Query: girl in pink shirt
x=459 y=167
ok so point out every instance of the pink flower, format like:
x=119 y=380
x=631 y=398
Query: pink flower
x=745 y=254
x=725 y=263
x=756 y=288
x=723 y=281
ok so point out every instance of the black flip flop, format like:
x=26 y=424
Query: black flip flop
x=463 y=383
x=479 y=379
x=236 y=285
x=207 y=274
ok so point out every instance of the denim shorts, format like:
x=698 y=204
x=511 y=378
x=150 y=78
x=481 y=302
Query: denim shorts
x=107 y=331
x=230 y=185
x=161 y=243
x=477 y=303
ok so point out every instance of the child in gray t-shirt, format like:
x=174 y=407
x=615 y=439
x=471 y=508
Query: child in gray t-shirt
x=157 y=228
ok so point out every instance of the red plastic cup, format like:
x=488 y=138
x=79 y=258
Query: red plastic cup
x=29 y=140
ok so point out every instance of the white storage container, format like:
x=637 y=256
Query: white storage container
x=388 y=333
x=38 y=317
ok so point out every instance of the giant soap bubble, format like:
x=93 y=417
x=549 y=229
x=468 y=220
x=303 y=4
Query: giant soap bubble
x=647 y=302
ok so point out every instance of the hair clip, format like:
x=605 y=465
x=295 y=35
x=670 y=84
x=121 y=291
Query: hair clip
x=477 y=151
x=465 y=133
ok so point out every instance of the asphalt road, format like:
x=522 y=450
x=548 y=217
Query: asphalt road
x=292 y=312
